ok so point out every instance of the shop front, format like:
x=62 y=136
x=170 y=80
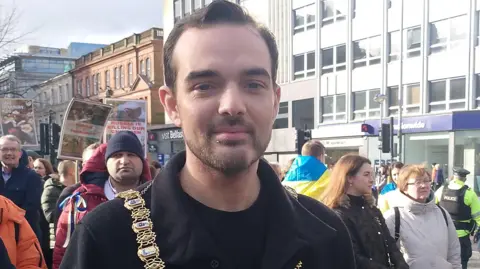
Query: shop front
x=164 y=143
x=449 y=140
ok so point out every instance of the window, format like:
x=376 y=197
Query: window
x=60 y=94
x=53 y=99
x=448 y=34
x=130 y=74
x=107 y=79
x=333 y=11
x=142 y=67
x=87 y=85
x=177 y=10
x=333 y=59
x=147 y=64
x=95 y=84
x=281 y=121
x=447 y=94
x=411 y=99
x=79 y=87
x=45 y=99
x=367 y=51
x=187 y=7
x=477 y=89
x=67 y=91
x=302 y=113
x=304 y=19
x=364 y=106
x=334 y=108
x=197 y=4
x=116 y=73
x=412 y=43
x=304 y=65
x=122 y=77
x=97 y=81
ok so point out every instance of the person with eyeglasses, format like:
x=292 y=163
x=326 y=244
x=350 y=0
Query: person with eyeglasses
x=424 y=230
x=464 y=207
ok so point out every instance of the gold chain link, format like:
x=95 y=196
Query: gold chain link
x=142 y=226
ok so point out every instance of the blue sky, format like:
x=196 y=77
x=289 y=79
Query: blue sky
x=56 y=23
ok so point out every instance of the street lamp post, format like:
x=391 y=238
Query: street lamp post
x=380 y=99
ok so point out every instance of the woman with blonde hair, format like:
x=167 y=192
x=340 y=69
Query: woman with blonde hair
x=349 y=193
x=424 y=231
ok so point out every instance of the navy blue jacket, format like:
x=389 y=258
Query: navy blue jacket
x=24 y=188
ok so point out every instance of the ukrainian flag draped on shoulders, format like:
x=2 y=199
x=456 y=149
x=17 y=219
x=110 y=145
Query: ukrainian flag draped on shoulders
x=307 y=176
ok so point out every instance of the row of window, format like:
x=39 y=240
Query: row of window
x=55 y=96
x=444 y=35
x=443 y=95
x=302 y=114
x=92 y=85
x=183 y=8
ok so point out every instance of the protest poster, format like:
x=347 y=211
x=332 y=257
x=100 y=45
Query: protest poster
x=83 y=126
x=18 y=119
x=128 y=115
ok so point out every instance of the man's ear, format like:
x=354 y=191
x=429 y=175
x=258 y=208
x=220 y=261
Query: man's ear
x=169 y=102
x=276 y=102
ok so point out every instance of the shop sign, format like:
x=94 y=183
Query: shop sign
x=176 y=134
x=343 y=143
x=152 y=148
x=419 y=124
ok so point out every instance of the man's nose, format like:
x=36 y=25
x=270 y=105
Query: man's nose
x=232 y=102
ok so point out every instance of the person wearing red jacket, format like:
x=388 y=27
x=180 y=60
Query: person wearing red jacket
x=114 y=167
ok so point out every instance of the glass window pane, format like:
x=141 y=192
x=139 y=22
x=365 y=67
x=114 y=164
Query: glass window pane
x=394 y=42
x=177 y=8
x=458 y=28
x=327 y=105
x=375 y=49
x=341 y=54
x=283 y=108
x=393 y=96
x=298 y=63
x=187 y=6
x=197 y=4
x=414 y=38
x=371 y=102
x=438 y=91
x=341 y=103
x=328 y=9
x=413 y=94
x=360 y=49
x=439 y=32
x=310 y=13
x=299 y=16
x=327 y=57
x=359 y=100
x=438 y=107
x=311 y=61
x=280 y=123
x=303 y=113
x=457 y=89
x=460 y=105
x=477 y=85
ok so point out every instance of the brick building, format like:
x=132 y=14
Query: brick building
x=131 y=68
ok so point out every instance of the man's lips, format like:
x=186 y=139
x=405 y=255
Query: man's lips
x=231 y=133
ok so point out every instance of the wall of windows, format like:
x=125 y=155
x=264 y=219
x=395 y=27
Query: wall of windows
x=367 y=51
x=448 y=34
x=334 y=108
x=448 y=94
x=304 y=65
x=411 y=96
x=412 y=43
x=304 y=19
x=333 y=59
x=364 y=106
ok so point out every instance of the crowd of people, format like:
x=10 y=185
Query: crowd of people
x=219 y=204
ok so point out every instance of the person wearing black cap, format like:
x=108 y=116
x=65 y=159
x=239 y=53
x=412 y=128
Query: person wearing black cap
x=464 y=207
x=217 y=204
x=115 y=167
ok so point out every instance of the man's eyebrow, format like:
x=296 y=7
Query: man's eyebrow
x=201 y=74
x=256 y=72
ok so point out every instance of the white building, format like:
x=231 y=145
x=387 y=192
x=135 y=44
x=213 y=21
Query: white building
x=336 y=55
x=53 y=96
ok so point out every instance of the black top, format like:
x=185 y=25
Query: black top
x=240 y=235
x=301 y=231
x=372 y=242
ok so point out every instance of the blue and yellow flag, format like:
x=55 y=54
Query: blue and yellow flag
x=308 y=176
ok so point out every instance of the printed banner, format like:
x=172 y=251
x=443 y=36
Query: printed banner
x=128 y=115
x=83 y=126
x=18 y=119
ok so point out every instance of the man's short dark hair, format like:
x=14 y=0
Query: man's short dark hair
x=218 y=12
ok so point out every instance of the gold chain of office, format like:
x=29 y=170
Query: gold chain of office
x=142 y=226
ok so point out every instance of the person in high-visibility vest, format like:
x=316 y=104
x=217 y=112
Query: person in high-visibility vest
x=464 y=207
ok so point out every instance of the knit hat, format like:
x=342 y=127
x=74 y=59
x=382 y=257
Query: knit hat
x=124 y=141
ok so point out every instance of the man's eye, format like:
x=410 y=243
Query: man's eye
x=254 y=85
x=203 y=87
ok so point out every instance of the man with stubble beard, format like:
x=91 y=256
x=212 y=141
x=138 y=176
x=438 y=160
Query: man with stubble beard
x=218 y=204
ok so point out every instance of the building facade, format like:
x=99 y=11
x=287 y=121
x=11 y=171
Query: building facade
x=53 y=97
x=29 y=66
x=131 y=68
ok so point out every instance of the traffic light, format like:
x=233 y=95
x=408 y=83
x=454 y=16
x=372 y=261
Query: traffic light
x=299 y=140
x=308 y=135
x=367 y=128
x=55 y=135
x=385 y=137
x=44 y=138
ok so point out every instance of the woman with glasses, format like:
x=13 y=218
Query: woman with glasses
x=387 y=192
x=350 y=195
x=423 y=230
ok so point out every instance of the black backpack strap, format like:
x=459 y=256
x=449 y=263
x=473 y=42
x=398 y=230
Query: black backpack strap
x=397 y=223
x=16 y=226
x=444 y=214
